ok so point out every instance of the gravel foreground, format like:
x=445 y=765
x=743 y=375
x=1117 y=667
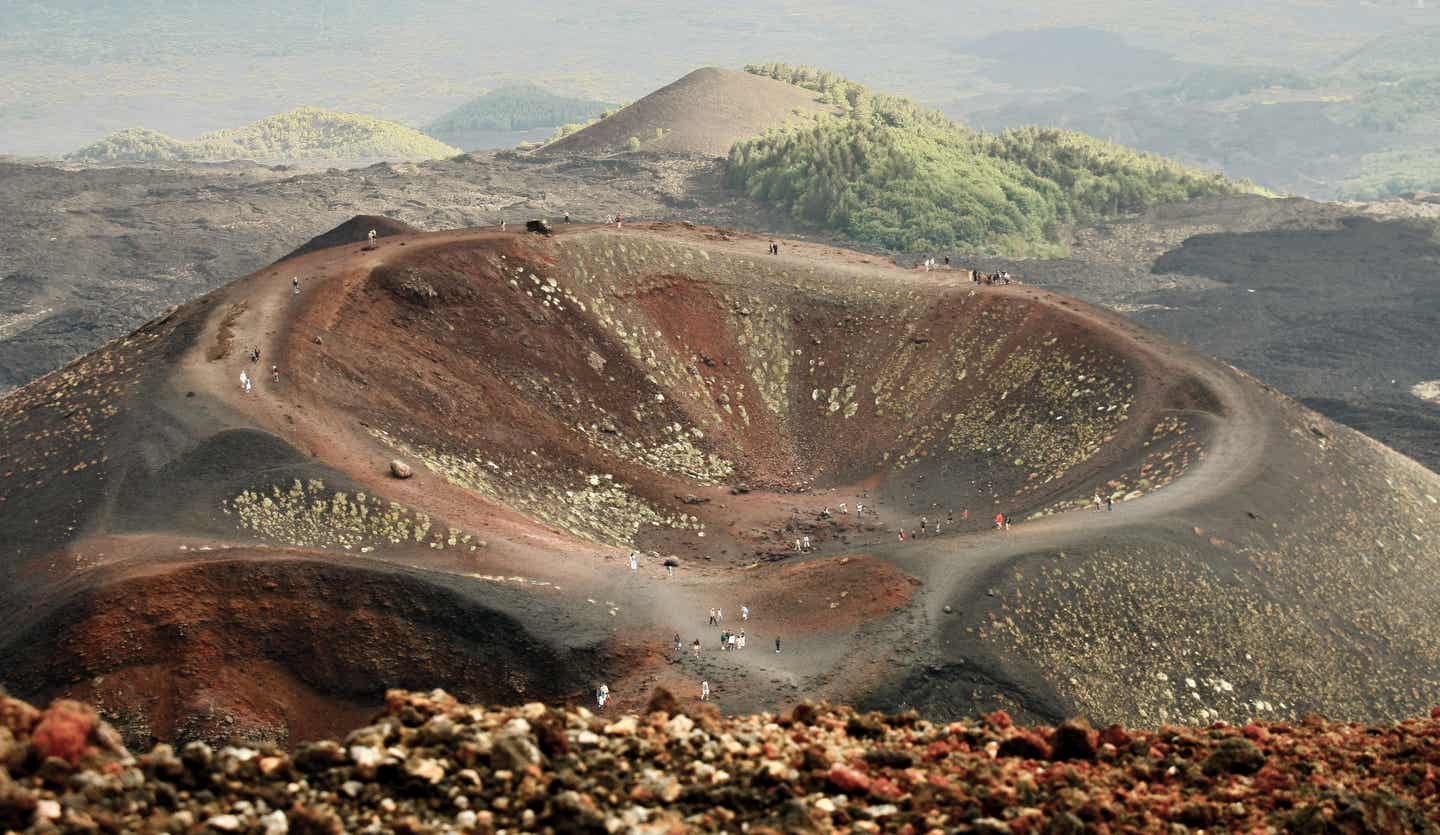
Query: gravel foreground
x=431 y=764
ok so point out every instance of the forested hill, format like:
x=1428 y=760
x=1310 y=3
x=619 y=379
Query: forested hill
x=302 y=133
x=517 y=107
x=893 y=173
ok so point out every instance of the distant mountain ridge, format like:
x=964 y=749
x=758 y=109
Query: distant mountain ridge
x=302 y=133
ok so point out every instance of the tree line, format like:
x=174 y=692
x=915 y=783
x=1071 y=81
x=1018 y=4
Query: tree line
x=887 y=171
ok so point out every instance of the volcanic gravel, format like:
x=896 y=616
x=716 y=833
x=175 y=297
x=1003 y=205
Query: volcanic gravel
x=431 y=764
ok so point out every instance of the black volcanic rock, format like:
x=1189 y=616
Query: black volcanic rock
x=356 y=230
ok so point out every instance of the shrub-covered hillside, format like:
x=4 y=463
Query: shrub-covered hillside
x=302 y=133
x=517 y=107
x=892 y=173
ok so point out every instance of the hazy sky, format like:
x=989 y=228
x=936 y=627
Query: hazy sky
x=71 y=72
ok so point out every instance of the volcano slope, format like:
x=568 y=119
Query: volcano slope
x=205 y=562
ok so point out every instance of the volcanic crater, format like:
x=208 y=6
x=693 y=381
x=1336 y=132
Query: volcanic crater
x=206 y=561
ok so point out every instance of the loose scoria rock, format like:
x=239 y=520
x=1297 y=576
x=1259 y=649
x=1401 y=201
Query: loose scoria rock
x=1234 y=755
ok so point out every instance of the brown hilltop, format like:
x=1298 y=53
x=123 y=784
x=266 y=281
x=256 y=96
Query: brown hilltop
x=705 y=112
x=353 y=231
x=565 y=400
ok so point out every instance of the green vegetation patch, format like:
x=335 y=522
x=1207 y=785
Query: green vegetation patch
x=306 y=515
x=893 y=173
x=1389 y=173
x=302 y=133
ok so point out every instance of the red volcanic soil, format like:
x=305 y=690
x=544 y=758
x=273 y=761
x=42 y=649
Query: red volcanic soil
x=209 y=562
x=828 y=594
x=428 y=763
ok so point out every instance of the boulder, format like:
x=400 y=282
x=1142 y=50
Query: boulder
x=1236 y=755
x=539 y=227
x=1074 y=740
x=400 y=469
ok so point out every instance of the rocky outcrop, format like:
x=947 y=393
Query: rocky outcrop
x=429 y=764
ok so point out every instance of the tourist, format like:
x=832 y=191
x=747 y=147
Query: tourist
x=678 y=647
x=1109 y=504
x=372 y=238
x=695 y=647
x=744 y=613
x=712 y=615
x=275 y=374
x=777 y=644
x=295 y=285
x=704 y=691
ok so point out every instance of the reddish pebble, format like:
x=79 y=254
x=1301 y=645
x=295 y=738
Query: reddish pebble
x=1435 y=713
x=1000 y=719
x=885 y=789
x=64 y=730
x=1115 y=735
x=848 y=780
x=1026 y=745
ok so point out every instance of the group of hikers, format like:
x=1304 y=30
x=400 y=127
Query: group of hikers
x=252 y=353
x=730 y=641
x=1002 y=277
x=926 y=529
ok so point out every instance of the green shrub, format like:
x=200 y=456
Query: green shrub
x=893 y=173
